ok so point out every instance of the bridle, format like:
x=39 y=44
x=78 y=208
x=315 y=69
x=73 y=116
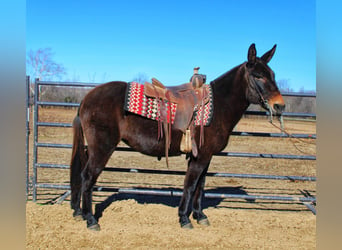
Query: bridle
x=265 y=104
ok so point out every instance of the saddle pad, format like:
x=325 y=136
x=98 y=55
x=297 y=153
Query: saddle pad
x=207 y=112
x=138 y=103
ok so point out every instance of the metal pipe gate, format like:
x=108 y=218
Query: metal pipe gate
x=308 y=201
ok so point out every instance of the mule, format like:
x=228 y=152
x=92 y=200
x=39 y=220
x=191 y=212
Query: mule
x=102 y=120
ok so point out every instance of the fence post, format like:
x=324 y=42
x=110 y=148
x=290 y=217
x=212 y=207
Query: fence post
x=27 y=134
x=35 y=139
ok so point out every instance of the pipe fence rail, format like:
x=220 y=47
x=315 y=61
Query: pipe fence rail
x=32 y=184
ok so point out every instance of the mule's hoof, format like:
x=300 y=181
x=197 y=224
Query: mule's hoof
x=77 y=214
x=78 y=217
x=95 y=227
x=204 y=222
x=187 y=226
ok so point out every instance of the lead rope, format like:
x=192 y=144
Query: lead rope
x=281 y=128
x=281 y=121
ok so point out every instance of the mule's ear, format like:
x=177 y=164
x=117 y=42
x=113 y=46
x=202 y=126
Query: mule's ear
x=268 y=55
x=251 y=54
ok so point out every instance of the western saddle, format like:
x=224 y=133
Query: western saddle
x=189 y=97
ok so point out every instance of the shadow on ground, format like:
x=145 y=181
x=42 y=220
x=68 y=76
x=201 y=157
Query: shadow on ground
x=172 y=201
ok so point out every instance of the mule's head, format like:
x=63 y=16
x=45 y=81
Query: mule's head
x=262 y=88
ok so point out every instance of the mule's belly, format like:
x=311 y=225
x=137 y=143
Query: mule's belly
x=157 y=150
x=153 y=148
x=141 y=134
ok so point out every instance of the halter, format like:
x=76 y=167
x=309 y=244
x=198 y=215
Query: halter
x=268 y=107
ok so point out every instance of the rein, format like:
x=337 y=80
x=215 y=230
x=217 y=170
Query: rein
x=290 y=135
x=280 y=118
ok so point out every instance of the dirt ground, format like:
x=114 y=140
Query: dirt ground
x=150 y=222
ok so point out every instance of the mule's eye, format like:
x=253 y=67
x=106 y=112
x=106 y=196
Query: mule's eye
x=257 y=75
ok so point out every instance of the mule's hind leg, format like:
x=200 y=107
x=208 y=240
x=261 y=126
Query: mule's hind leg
x=76 y=185
x=77 y=164
x=95 y=165
x=101 y=145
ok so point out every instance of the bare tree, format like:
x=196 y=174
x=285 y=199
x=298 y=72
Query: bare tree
x=284 y=86
x=40 y=64
x=140 y=78
x=91 y=78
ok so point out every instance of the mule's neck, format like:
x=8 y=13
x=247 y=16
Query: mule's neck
x=230 y=101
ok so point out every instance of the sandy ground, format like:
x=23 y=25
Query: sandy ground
x=129 y=225
x=151 y=222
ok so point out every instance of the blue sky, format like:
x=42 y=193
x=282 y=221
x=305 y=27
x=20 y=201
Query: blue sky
x=102 y=41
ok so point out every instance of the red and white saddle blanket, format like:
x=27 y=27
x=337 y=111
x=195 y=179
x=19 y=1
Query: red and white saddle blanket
x=138 y=103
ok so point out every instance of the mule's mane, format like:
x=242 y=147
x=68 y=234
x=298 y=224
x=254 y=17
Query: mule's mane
x=228 y=74
x=224 y=83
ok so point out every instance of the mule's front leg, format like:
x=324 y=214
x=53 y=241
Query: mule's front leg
x=197 y=212
x=183 y=210
x=192 y=177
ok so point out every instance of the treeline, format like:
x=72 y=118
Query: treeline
x=297 y=104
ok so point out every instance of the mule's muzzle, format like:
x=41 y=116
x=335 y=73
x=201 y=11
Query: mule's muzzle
x=277 y=104
x=279 y=108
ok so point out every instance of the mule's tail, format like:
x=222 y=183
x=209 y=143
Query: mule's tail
x=77 y=164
